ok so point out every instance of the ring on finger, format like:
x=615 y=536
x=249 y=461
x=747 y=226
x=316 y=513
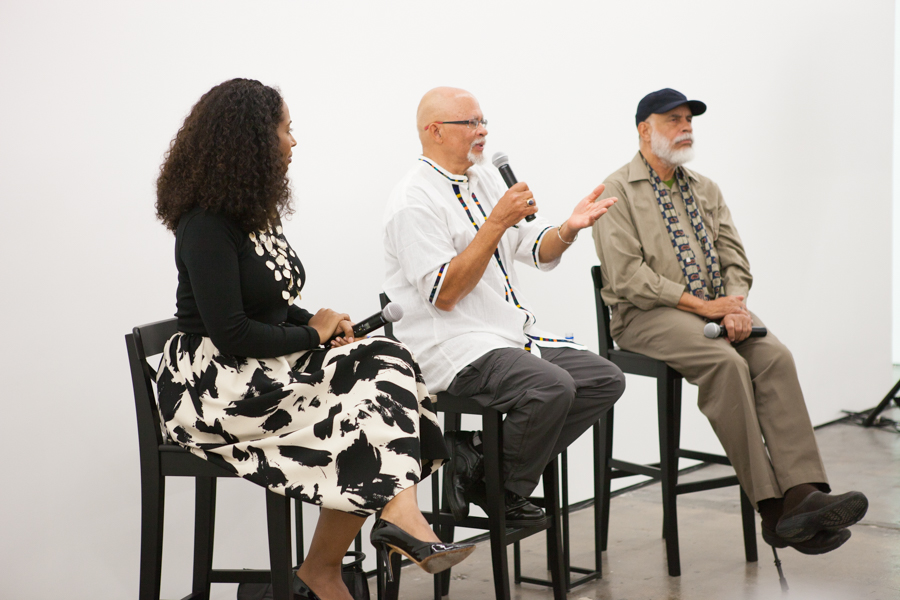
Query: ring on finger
x=529 y=202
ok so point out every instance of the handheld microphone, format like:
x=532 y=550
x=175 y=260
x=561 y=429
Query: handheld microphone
x=714 y=330
x=392 y=312
x=501 y=161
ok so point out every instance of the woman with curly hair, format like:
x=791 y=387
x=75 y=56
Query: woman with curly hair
x=245 y=382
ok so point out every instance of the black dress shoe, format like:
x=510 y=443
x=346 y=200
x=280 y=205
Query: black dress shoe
x=301 y=590
x=464 y=469
x=519 y=511
x=431 y=557
x=821 y=512
x=522 y=513
x=820 y=543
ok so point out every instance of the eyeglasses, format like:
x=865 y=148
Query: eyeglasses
x=471 y=123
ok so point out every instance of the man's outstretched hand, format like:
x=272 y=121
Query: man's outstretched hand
x=589 y=210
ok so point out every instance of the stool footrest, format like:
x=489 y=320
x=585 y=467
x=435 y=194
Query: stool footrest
x=534 y=581
x=706 y=484
x=240 y=576
x=589 y=575
x=717 y=459
x=634 y=468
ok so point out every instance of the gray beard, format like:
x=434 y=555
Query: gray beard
x=663 y=149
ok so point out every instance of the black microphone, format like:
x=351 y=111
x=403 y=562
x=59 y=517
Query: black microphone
x=501 y=161
x=714 y=330
x=392 y=312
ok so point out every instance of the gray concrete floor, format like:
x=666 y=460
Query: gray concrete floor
x=712 y=555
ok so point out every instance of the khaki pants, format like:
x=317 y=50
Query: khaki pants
x=748 y=391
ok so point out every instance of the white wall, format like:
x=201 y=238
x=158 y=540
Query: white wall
x=896 y=191
x=798 y=135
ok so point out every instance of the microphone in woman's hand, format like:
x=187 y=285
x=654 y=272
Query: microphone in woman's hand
x=391 y=313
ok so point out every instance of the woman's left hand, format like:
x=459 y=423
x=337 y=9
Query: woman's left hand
x=345 y=330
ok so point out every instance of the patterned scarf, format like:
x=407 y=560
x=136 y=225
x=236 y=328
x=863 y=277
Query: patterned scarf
x=680 y=242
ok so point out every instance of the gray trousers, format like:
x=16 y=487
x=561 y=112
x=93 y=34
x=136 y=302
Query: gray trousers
x=548 y=402
x=749 y=392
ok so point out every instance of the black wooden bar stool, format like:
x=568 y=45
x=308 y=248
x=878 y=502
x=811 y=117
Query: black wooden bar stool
x=587 y=574
x=161 y=458
x=501 y=536
x=668 y=394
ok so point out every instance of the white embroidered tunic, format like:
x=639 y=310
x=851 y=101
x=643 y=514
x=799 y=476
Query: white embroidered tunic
x=432 y=216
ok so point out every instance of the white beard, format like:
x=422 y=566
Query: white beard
x=665 y=151
x=472 y=157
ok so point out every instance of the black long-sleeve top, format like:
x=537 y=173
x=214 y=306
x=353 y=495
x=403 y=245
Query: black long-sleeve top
x=238 y=289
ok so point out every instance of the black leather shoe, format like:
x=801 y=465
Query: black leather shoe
x=431 y=557
x=820 y=543
x=522 y=513
x=821 y=512
x=464 y=469
x=519 y=511
x=301 y=590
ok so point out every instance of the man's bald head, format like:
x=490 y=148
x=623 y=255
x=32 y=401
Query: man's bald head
x=441 y=104
x=442 y=121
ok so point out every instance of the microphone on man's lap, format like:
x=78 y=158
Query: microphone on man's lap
x=714 y=330
x=501 y=161
x=391 y=313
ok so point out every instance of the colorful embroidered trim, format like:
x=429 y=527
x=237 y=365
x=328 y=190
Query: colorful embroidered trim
x=507 y=289
x=463 y=180
x=537 y=242
x=437 y=282
x=538 y=338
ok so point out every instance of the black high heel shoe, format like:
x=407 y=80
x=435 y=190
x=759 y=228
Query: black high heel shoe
x=431 y=557
x=301 y=590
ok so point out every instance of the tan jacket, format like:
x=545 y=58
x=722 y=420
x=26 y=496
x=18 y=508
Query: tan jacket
x=639 y=265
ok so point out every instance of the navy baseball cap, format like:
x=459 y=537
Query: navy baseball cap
x=665 y=100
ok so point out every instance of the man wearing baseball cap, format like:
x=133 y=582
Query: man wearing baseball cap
x=672 y=260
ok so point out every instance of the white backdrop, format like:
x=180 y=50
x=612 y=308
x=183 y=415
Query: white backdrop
x=798 y=135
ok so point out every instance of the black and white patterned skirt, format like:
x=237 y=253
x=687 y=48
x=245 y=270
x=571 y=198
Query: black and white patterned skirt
x=345 y=428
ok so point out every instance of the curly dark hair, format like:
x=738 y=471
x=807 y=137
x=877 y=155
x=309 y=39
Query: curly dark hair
x=226 y=159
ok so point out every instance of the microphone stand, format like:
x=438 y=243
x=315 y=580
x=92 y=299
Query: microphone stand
x=885 y=402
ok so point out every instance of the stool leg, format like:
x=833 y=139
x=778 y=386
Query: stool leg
x=392 y=588
x=204 y=526
x=380 y=576
x=564 y=514
x=153 y=502
x=452 y=422
x=748 y=517
x=668 y=462
x=493 y=479
x=603 y=439
x=599 y=471
x=554 y=532
x=278 y=517
x=298 y=532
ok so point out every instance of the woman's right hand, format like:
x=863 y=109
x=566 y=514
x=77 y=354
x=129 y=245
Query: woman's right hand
x=325 y=322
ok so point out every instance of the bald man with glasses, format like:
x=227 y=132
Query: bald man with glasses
x=453 y=234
